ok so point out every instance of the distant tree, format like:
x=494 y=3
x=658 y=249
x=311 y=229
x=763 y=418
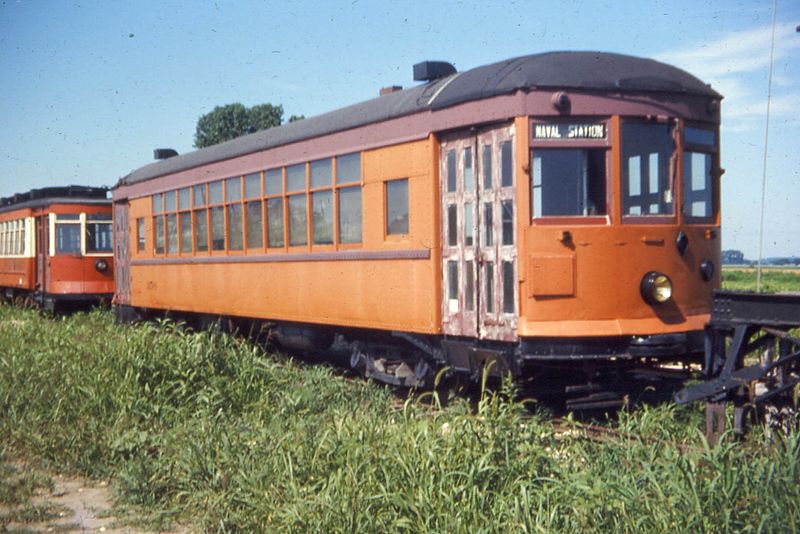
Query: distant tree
x=230 y=121
x=295 y=118
x=264 y=116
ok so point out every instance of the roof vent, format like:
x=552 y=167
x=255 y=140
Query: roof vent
x=427 y=71
x=164 y=153
x=390 y=89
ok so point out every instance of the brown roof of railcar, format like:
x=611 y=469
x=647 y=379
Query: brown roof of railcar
x=71 y=194
x=587 y=71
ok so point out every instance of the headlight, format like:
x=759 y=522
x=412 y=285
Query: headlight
x=101 y=265
x=656 y=288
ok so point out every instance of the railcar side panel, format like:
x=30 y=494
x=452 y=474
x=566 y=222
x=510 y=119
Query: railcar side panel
x=385 y=282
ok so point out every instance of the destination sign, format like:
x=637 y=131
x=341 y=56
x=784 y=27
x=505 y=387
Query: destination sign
x=569 y=131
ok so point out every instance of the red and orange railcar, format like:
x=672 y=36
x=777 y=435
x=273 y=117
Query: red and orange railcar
x=549 y=212
x=56 y=246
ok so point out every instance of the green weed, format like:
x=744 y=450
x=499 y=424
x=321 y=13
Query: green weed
x=207 y=429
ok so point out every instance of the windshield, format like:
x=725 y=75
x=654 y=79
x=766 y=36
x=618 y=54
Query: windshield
x=647 y=167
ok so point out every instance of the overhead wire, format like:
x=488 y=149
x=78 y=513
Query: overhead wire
x=766 y=145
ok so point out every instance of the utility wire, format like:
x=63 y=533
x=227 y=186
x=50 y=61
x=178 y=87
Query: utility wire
x=766 y=144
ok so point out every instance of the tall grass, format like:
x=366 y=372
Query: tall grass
x=209 y=430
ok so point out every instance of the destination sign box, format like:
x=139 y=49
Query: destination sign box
x=569 y=131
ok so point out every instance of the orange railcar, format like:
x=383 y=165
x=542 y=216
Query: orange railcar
x=56 y=246
x=551 y=211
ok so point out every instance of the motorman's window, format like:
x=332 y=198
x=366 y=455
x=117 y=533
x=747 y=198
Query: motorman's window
x=698 y=175
x=568 y=182
x=648 y=167
x=397 y=207
x=68 y=234
x=98 y=234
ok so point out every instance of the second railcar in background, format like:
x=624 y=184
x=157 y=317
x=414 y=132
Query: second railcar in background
x=549 y=213
x=56 y=247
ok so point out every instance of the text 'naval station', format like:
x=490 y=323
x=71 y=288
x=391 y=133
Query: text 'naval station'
x=569 y=131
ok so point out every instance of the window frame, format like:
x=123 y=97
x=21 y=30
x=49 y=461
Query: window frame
x=675 y=178
x=606 y=143
x=392 y=236
x=713 y=152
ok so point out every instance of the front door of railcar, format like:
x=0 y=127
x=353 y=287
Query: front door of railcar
x=479 y=264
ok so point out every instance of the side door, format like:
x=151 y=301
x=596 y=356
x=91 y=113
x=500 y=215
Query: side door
x=479 y=258
x=41 y=252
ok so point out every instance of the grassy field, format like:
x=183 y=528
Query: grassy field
x=772 y=279
x=214 y=433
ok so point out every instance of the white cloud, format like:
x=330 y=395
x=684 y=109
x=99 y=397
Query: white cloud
x=737 y=66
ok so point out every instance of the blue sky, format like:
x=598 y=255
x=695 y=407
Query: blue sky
x=88 y=89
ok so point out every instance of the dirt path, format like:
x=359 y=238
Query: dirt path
x=67 y=504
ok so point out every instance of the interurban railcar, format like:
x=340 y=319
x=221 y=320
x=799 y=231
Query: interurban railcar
x=56 y=246
x=558 y=211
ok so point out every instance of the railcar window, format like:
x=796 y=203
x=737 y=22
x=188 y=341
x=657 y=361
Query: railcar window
x=507 y=165
x=487 y=167
x=298 y=220
x=348 y=168
x=397 y=207
x=184 y=199
x=451 y=171
x=699 y=136
x=508 y=287
x=172 y=233
x=217 y=228
x=98 y=234
x=469 y=295
x=199 y=196
x=488 y=224
x=568 y=182
x=169 y=201
x=235 y=231
x=469 y=230
x=275 y=222
x=296 y=178
x=508 y=221
x=68 y=238
x=255 y=220
x=252 y=185
x=647 y=168
x=233 y=189
x=273 y=182
x=215 y=192
x=158 y=224
x=489 y=285
x=320 y=173
x=698 y=185
x=201 y=230
x=322 y=217
x=158 y=203
x=350 y=214
x=452 y=225
x=468 y=169
x=140 y=236
x=186 y=231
